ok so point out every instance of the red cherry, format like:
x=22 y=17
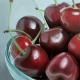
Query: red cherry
x=29 y=24
x=78 y=5
x=70 y=18
x=34 y=62
x=63 y=5
x=62 y=67
x=74 y=46
x=53 y=39
x=52 y=14
x=22 y=41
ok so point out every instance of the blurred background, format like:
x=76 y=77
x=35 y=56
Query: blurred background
x=20 y=8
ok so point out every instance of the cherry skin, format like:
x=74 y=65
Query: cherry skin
x=22 y=41
x=53 y=39
x=52 y=14
x=74 y=46
x=70 y=18
x=63 y=5
x=29 y=24
x=78 y=5
x=62 y=67
x=34 y=62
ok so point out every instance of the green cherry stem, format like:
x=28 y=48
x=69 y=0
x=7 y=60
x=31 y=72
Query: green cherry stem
x=13 y=30
x=35 y=39
x=18 y=47
x=74 y=6
x=55 y=1
x=43 y=26
x=10 y=10
x=11 y=1
x=40 y=10
x=10 y=30
x=73 y=3
x=16 y=44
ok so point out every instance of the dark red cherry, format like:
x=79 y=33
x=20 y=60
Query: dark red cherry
x=70 y=18
x=63 y=5
x=22 y=41
x=74 y=46
x=29 y=24
x=78 y=5
x=53 y=39
x=34 y=62
x=52 y=14
x=63 y=67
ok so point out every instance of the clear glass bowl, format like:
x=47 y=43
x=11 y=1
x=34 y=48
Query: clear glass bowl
x=15 y=73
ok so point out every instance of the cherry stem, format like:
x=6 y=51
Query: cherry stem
x=11 y=1
x=16 y=44
x=35 y=39
x=42 y=28
x=22 y=52
x=13 y=30
x=73 y=3
x=55 y=1
x=39 y=9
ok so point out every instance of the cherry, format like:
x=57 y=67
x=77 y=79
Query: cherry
x=52 y=14
x=34 y=62
x=22 y=41
x=74 y=46
x=53 y=39
x=63 y=5
x=78 y=5
x=62 y=67
x=29 y=24
x=70 y=18
x=31 y=59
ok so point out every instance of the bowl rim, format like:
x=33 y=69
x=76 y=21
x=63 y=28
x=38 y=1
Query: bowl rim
x=7 y=57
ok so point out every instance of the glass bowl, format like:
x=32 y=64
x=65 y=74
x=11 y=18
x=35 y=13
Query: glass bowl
x=15 y=73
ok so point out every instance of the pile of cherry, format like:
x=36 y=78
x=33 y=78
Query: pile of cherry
x=51 y=54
